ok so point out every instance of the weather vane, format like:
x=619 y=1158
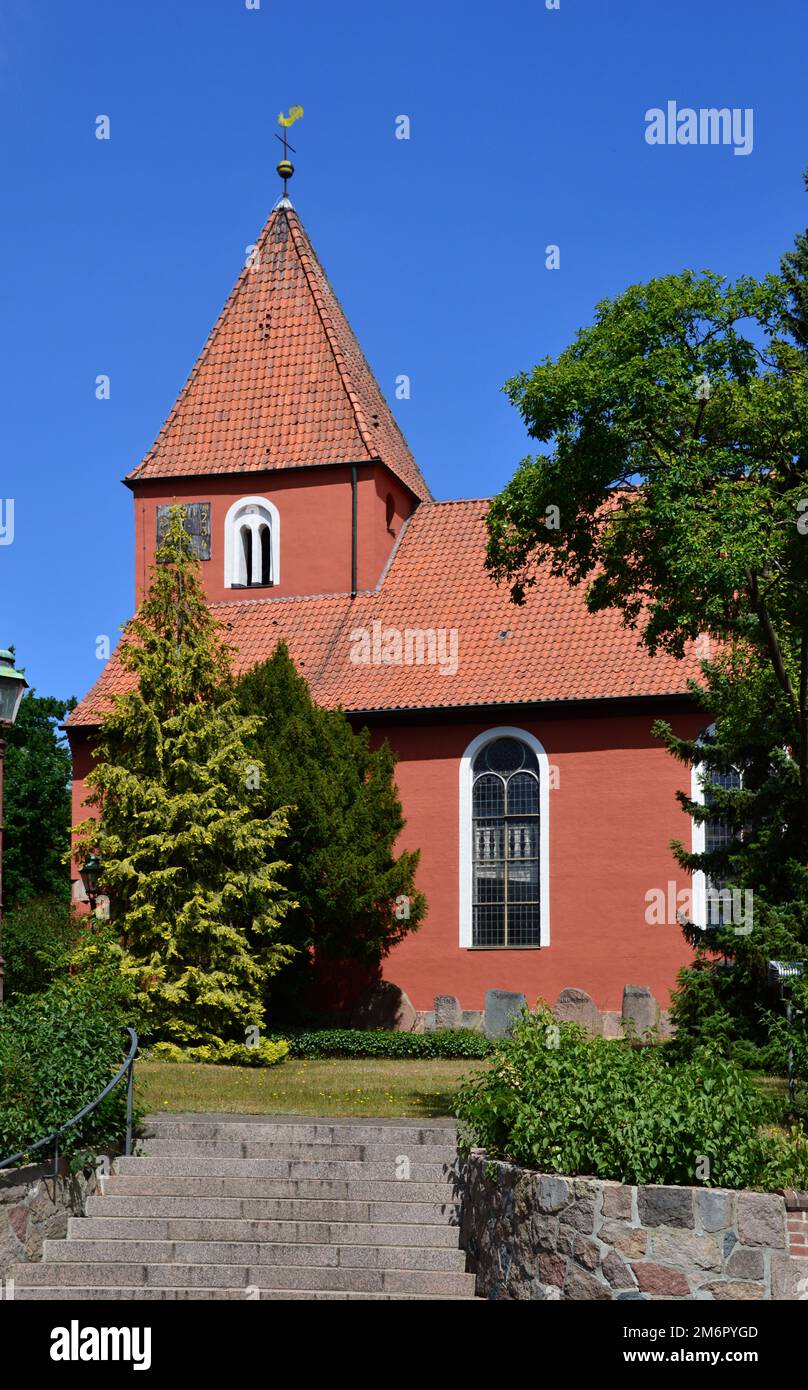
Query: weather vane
x=286 y=168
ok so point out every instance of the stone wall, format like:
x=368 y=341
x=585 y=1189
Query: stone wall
x=33 y=1207
x=534 y=1236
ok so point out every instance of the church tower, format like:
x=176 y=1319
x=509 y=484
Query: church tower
x=295 y=475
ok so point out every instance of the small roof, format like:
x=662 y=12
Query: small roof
x=438 y=632
x=282 y=381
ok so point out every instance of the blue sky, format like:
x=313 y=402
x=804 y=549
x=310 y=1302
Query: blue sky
x=527 y=128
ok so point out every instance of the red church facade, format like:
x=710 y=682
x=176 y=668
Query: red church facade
x=542 y=806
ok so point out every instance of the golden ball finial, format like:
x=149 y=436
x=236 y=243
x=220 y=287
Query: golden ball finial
x=286 y=169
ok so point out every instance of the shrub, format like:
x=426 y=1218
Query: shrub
x=360 y=1042
x=265 y=1054
x=58 y=1050
x=38 y=937
x=561 y=1102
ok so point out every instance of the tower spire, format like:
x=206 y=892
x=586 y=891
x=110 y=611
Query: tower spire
x=285 y=167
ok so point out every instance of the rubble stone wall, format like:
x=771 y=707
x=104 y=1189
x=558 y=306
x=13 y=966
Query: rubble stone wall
x=540 y=1236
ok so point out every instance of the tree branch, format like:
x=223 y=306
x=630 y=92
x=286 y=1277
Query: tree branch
x=761 y=611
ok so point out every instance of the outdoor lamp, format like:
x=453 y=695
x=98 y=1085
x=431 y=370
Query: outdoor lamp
x=12 y=685
x=89 y=871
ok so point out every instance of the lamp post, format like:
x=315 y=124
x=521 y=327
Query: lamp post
x=12 y=685
x=90 y=871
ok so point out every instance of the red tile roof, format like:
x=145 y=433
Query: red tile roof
x=551 y=649
x=281 y=381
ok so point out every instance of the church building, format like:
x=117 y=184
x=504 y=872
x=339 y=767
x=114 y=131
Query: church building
x=542 y=806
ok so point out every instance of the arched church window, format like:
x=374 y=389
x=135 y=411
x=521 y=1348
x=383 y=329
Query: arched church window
x=252 y=544
x=506 y=859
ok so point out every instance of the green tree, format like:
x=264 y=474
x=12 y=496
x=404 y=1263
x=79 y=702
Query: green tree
x=187 y=858
x=760 y=810
x=36 y=802
x=676 y=474
x=673 y=483
x=355 y=896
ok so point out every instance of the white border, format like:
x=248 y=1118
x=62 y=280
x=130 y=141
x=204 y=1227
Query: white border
x=466 y=835
x=229 y=532
x=698 y=839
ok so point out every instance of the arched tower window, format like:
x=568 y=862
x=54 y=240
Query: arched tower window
x=503 y=842
x=251 y=544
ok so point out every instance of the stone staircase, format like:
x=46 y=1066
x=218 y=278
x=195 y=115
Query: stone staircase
x=258 y=1207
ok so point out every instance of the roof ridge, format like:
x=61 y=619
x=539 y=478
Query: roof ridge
x=297 y=227
x=307 y=251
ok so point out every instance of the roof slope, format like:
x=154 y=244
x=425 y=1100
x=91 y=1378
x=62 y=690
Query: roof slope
x=282 y=381
x=550 y=649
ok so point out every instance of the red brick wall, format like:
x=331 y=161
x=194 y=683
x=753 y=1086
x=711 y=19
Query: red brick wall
x=797 y=1222
x=612 y=818
x=315 y=516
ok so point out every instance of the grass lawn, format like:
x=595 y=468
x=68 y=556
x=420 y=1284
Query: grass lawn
x=330 y=1086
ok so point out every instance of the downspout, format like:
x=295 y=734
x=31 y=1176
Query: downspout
x=353 y=528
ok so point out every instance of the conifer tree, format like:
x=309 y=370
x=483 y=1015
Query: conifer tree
x=725 y=993
x=355 y=898
x=187 y=857
x=37 y=802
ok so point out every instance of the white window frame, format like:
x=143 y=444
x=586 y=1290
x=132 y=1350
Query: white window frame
x=467 y=837
x=265 y=512
x=698 y=842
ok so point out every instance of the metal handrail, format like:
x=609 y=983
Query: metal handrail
x=127 y=1069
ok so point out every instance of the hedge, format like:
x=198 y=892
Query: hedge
x=449 y=1043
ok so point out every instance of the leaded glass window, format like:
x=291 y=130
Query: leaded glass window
x=505 y=814
x=718 y=835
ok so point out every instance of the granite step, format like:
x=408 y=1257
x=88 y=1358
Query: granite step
x=137 y=1182
x=246 y=1277
x=223 y=1252
x=274 y=1209
x=329 y=1169
x=320 y=1233
x=133 y=1295
x=261 y=1130
x=301 y=1153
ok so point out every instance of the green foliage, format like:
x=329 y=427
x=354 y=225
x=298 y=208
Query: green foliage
x=188 y=857
x=36 y=802
x=677 y=434
x=560 y=1102
x=265 y=1054
x=358 y=1042
x=791 y=1037
x=38 y=939
x=58 y=1050
x=355 y=898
